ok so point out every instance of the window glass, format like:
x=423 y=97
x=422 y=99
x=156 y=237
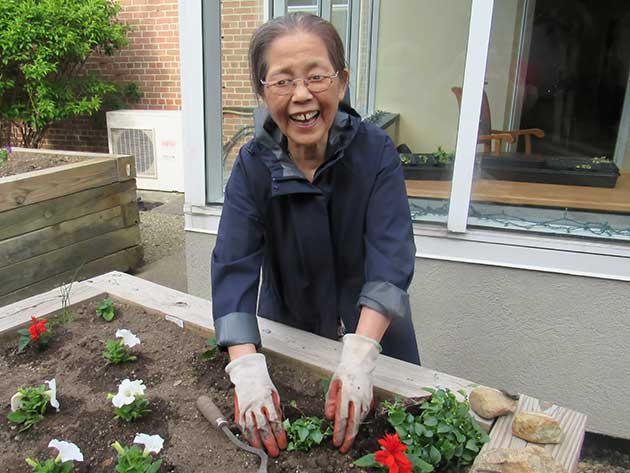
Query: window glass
x=238 y=22
x=421 y=56
x=340 y=17
x=553 y=153
x=308 y=6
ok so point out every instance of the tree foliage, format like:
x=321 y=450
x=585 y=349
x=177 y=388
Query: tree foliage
x=44 y=46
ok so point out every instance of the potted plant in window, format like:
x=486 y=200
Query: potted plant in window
x=575 y=171
x=437 y=165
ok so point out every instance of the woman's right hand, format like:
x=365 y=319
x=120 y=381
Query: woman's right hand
x=256 y=403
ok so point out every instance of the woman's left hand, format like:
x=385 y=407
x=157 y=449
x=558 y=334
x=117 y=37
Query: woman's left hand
x=350 y=398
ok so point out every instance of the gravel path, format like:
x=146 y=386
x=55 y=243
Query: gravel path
x=162 y=234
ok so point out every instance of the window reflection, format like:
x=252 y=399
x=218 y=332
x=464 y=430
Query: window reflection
x=553 y=154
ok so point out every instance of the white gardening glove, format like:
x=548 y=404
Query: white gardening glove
x=349 y=397
x=256 y=403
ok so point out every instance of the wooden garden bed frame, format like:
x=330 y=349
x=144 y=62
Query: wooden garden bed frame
x=391 y=377
x=53 y=222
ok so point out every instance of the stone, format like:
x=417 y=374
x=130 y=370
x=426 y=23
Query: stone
x=490 y=403
x=531 y=459
x=537 y=427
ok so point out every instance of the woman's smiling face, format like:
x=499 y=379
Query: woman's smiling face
x=303 y=117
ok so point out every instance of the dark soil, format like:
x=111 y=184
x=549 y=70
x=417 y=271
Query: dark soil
x=169 y=362
x=21 y=162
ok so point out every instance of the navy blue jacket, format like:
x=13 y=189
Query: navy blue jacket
x=325 y=248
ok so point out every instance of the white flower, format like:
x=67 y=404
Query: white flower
x=16 y=402
x=52 y=392
x=128 y=338
x=127 y=392
x=67 y=450
x=152 y=443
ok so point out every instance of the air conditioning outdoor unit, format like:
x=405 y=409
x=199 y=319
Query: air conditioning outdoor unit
x=154 y=138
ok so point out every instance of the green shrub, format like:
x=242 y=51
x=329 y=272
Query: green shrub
x=44 y=46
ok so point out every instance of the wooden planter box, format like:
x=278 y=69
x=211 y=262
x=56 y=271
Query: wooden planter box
x=57 y=221
x=391 y=377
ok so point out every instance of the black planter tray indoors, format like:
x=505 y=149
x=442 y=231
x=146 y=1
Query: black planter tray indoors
x=424 y=166
x=573 y=171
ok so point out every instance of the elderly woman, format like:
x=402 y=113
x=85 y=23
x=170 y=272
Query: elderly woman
x=317 y=200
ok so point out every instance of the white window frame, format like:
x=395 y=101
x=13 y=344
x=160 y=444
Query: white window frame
x=456 y=242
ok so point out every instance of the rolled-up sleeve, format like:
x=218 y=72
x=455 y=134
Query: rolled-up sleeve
x=389 y=246
x=236 y=262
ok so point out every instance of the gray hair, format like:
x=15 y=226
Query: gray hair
x=291 y=23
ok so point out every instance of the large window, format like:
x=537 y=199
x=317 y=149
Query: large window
x=421 y=55
x=556 y=85
x=475 y=87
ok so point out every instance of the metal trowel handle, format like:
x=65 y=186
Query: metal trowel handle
x=211 y=412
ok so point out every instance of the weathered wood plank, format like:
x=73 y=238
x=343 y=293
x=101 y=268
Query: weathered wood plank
x=50 y=212
x=37 y=186
x=66 y=233
x=573 y=425
x=25 y=273
x=391 y=376
x=120 y=261
x=15 y=315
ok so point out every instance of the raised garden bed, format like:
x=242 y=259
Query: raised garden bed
x=574 y=171
x=63 y=212
x=171 y=367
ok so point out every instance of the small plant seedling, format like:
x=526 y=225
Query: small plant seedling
x=134 y=460
x=212 y=351
x=106 y=310
x=116 y=352
x=33 y=405
x=305 y=432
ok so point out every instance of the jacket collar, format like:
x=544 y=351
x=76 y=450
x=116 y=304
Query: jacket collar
x=269 y=136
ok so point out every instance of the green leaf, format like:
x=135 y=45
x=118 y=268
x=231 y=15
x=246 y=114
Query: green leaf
x=317 y=436
x=443 y=428
x=430 y=421
x=472 y=445
x=18 y=416
x=303 y=434
x=419 y=428
x=155 y=466
x=24 y=331
x=435 y=455
x=366 y=461
x=397 y=418
x=23 y=343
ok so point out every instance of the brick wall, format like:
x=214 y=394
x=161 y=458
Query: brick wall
x=151 y=59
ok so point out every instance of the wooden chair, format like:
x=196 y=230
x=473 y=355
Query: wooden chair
x=487 y=135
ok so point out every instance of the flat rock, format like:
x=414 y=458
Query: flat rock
x=537 y=427
x=490 y=403
x=531 y=459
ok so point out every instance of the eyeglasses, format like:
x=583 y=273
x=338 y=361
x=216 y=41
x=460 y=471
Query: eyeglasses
x=315 y=83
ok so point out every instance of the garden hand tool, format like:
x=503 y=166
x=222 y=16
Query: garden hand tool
x=211 y=412
x=257 y=404
x=350 y=397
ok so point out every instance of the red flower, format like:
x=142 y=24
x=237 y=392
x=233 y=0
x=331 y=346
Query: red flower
x=37 y=328
x=393 y=454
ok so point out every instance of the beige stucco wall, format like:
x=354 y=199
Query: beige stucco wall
x=560 y=338
x=421 y=55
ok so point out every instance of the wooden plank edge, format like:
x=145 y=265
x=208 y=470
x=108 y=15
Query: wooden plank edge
x=16 y=315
